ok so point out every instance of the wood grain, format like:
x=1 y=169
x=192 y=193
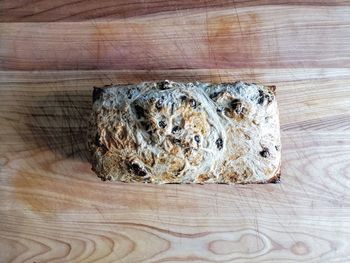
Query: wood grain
x=72 y=10
x=54 y=209
x=254 y=36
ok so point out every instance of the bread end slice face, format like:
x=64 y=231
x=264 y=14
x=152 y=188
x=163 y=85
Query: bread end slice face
x=171 y=132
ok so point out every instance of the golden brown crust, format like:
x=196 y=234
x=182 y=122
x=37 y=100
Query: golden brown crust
x=272 y=88
x=276 y=178
x=169 y=132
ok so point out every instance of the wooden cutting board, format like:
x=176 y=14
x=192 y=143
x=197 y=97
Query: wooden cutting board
x=54 y=209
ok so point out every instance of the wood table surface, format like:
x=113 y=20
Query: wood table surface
x=53 y=207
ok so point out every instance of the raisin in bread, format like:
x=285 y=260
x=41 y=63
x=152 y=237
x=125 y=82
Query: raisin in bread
x=170 y=132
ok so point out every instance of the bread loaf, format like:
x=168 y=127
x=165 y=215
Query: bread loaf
x=171 y=132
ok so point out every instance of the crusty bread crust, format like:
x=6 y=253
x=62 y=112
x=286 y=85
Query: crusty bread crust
x=170 y=132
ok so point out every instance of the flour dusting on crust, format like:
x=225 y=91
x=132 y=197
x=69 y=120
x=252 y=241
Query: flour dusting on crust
x=171 y=132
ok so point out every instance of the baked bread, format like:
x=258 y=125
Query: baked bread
x=170 y=132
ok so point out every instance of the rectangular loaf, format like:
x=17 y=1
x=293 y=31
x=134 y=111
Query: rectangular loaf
x=171 y=132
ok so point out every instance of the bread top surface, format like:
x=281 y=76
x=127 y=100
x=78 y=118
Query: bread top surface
x=171 y=132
